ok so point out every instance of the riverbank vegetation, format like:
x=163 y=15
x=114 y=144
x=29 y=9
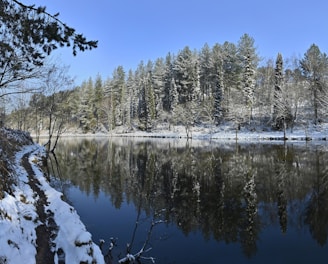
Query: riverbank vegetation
x=226 y=84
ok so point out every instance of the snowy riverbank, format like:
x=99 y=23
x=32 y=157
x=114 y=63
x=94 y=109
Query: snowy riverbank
x=227 y=132
x=23 y=213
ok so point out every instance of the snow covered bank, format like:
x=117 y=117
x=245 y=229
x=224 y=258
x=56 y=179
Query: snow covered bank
x=224 y=132
x=19 y=217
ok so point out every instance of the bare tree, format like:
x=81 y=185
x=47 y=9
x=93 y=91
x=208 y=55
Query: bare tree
x=55 y=84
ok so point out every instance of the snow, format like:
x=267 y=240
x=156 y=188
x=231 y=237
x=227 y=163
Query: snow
x=17 y=222
x=19 y=219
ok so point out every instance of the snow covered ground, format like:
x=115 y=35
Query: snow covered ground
x=19 y=220
x=221 y=133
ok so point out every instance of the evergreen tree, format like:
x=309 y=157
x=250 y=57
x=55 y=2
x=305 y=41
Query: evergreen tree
x=133 y=96
x=184 y=68
x=265 y=81
x=231 y=71
x=150 y=108
x=249 y=85
x=278 y=82
x=218 y=97
x=115 y=91
x=206 y=71
x=98 y=98
x=167 y=83
x=249 y=60
x=314 y=67
x=86 y=107
x=174 y=96
x=158 y=84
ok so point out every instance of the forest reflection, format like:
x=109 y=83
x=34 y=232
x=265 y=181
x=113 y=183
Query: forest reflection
x=230 y=192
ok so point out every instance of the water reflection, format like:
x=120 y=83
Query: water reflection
x=231 y=193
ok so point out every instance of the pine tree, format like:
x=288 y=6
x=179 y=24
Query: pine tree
x=184 y=74
x=132 y=94
x=278 y=100
x=232 y=69
x=86 y=109
x=167 y=83
x=115 y=90
x=98 y=98
x=314 y=67
x=149 y=102
x=249 y=60
x=206 y=71
x=249 y=85
x=174 y=96
x=218 y=97
x=158 y=85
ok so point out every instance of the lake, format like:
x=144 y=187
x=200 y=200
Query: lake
x=199 y=201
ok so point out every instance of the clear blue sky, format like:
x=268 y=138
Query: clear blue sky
x=133 y=30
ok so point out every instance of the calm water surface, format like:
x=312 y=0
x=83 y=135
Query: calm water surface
x=200 y=202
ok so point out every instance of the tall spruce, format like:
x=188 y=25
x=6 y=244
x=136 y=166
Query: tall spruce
x=167 y=82
x=249 y=85
x=218 y=94
x=206 y=71
x=278 y=82
x=184 y=72
x=149 y=102
x=249 y=60
x=115 y=91
x=98 y=98
x=314 y=67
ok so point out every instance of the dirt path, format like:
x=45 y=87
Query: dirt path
x=46 y=231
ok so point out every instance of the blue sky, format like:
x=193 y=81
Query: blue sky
x=133 y=30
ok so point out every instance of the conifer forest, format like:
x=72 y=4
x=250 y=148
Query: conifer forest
x=225 y=83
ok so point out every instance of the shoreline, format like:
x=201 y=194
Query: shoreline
x=298 y=134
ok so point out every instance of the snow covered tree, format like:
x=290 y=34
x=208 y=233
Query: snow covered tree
x=282 y=115
x=278 y=82
x=185 y=75
x=88 y=121
x=28 y=35
x=206 y=71
x=218 y=97
x=150 y=106
x=98 y=98
x=115 y=89
x=158 y=84
x=167 y=83
x=249 y=61
x=225 y=60
x=249 y=85
x=265 y=82
x=174 y=97
x=132 y=98
x=314 y=67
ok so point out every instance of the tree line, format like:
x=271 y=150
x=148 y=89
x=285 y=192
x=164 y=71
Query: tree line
x=225 y=83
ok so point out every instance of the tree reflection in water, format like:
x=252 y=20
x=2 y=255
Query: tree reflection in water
x=230 y=192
